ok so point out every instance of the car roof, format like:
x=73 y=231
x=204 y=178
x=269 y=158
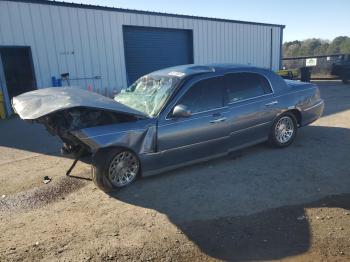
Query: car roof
x=193 y=69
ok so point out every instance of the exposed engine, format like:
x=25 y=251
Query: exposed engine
x=62 y=122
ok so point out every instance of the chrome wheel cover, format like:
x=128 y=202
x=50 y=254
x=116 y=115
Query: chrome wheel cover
x=284 y=129
x=123 y=169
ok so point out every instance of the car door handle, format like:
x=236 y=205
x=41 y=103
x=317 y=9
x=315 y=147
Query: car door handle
x=272 y=103
x=218 y=120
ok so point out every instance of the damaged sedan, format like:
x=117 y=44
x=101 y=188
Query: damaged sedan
x=173 y=117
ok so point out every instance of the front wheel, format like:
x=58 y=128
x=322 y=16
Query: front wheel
x=283 y=131
x=115 y=168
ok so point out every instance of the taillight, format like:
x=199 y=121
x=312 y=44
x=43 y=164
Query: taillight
x=317 y=93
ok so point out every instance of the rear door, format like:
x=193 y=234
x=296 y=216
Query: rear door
x=252 y=107
x=200 y=135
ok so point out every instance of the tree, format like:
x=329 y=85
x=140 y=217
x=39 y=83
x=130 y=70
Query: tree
x=345 y=46
x=315 y=46
x=334 y=47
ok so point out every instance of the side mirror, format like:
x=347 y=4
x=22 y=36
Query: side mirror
x=181 y=111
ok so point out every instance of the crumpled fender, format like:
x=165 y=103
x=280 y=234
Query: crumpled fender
x=139 y=136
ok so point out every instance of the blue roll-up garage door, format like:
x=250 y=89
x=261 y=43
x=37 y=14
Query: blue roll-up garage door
x=148 y=49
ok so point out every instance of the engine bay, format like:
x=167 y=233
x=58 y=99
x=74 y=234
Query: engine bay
x=61 y=123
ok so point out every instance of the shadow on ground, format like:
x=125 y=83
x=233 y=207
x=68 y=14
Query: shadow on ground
x=30 y=138
x=336 y=96
x=22 y=135
x=246 y=206
x=272 y=234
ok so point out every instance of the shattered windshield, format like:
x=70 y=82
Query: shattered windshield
x=148 y=94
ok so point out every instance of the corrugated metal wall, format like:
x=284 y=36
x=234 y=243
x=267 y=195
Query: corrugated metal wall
x=88 y=42
x=146 y=49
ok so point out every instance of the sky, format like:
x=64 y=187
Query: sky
x=303 y=18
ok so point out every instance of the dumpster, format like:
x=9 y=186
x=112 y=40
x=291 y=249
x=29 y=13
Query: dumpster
x=305 y=74
x=2 y=107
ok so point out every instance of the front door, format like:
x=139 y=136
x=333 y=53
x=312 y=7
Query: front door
x=204 y=133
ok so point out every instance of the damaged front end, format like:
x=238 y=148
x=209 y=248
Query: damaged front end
x=66 y=123
x=86 y=121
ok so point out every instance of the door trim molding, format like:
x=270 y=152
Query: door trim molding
x=194 y=144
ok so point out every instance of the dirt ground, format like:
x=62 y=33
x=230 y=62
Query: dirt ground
x=260 y=203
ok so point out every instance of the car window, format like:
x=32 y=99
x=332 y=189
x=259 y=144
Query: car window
x=240 y=86
x=204 y=95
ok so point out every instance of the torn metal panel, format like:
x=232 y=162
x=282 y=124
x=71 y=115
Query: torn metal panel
x=38 y=103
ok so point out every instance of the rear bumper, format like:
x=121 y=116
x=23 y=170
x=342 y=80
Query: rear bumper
x=312 y=113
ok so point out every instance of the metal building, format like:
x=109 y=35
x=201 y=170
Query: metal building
x=104 y=49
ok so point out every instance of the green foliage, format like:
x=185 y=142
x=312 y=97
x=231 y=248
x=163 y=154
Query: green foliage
x=345 y=46
x=315 y=46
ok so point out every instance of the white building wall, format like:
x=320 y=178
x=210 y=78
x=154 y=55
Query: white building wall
x=89 y=42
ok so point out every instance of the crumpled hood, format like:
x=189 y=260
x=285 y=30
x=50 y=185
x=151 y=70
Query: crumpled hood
x=35 y=104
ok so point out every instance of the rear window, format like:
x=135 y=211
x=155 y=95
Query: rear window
x=241 y=86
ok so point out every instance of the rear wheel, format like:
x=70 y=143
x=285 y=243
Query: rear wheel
x=283 y=131
x=114 y=169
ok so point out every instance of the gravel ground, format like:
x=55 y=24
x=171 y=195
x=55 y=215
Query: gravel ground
x=255 y=204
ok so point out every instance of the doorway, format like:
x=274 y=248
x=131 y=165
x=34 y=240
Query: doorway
x=17 y=65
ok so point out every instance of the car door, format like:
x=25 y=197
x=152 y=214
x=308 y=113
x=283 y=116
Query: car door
x=252 y=108
x=204 y=133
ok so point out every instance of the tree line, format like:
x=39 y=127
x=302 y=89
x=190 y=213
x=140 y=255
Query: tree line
x=315 y=46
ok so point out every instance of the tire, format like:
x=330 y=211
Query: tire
x=106 y=160
x=276 y=138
